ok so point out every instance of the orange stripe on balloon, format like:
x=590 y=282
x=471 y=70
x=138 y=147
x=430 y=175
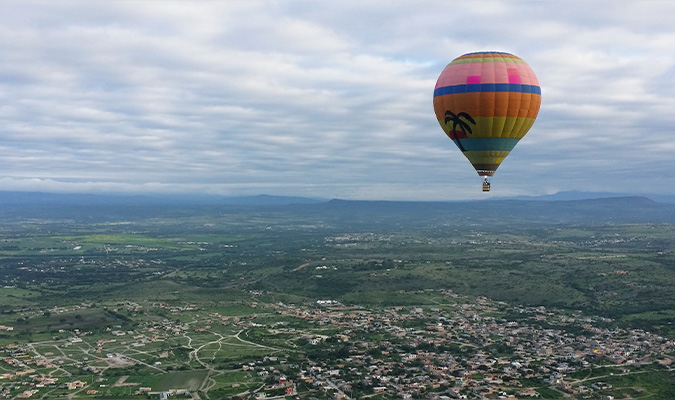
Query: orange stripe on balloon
x=489 y=104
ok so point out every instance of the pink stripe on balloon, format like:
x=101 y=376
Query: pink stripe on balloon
x=496 y=72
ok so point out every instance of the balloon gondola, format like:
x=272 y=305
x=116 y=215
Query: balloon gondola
x=486 y=102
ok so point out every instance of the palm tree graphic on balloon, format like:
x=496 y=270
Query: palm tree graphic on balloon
x=457 y=121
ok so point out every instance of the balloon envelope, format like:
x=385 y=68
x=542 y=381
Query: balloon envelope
x=486 y=102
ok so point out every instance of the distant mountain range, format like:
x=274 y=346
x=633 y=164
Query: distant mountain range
x=566 y=207
x=42 y=198
x=577 y=195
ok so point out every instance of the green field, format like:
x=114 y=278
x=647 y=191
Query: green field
x=190 y=380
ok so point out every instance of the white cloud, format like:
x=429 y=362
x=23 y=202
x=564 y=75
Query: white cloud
x=328 y=99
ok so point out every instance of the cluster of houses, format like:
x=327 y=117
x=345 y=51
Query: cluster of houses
x=472 y=349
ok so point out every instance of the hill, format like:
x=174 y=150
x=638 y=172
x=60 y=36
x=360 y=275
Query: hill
x=499 y=212
x=578 y=195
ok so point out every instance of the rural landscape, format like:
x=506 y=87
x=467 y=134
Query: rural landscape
x=140 y=298
x=337 y=200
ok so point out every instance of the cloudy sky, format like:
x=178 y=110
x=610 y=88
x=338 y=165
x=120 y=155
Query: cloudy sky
x=327 y=99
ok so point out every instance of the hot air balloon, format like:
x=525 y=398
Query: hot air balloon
x=486 y=102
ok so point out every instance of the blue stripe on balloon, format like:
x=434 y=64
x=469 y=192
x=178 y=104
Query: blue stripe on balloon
x=488 y=144
x=487 y=87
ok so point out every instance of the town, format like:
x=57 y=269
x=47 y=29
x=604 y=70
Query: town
x=461 y=347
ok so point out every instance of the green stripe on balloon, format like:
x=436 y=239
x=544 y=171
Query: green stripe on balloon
x=488 y=144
